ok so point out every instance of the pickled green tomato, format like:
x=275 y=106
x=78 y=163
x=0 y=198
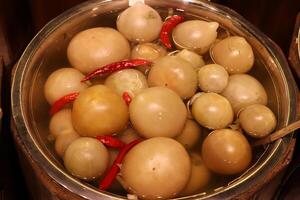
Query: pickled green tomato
x=193 y=58
x=62 y=82
x=190 y=134
x=243 y=90
x=200 y=176
x=212 y=111
x=257 y=120
x=234 y=53
x=139 y=23
x=129 y=135
x=156 y=168
x=212 y=78
x=226 y=151
x=147 y=51
x=96 y=47
x=174 y=73
x=61 y=122
x=127 y=80
x=195 y=35
x=99 y=110
x=86 y=158
x=157 y=111
x=63 y=141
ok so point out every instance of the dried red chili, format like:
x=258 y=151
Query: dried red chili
x=115 y=168
x=167 y=28
x=127 y=98
x=113 y=67
x=110 y=141
x=60 y=103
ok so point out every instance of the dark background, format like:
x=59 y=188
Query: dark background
x=21 y=19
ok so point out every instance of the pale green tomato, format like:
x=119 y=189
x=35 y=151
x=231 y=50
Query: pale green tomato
x=257 y=120
x=234 y=53
x=200 y=176
x=212 y=78
x=226 y=151
x=193 y=58
x=127 y=80
x=99 y=110
x=195 y=35
x=96 y=47
x=139 y=23
x=174 y=73
x=212 y=111
x=243 y=90
x=190 y=134
x=63 y=141
x=62 y=82
x=86 y=158
x=157 y=168
x=157 y=111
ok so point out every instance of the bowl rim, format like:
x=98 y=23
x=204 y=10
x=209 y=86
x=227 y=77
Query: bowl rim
x=88 y=192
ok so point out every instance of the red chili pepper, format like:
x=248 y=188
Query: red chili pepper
x=113 y=67
x=110 y=141
x=167 y=28
x=115 y=168
x=127 y=98
x=60 y=103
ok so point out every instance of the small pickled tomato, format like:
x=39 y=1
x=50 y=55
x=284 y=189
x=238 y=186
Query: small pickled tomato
x=127 y=80
x=147 y=51
x=129 y=135
x=195 y=35
x=212 y=111
x=157 y=111
x=200 y=176
x=243 y=90
x=86 y=158
x=174 y=73
x=226 y=151
x=257 y=120
x=62 y=82
x=61 y=123
x=190 y=134
x=193 y=58
x=234 y=53
x=212 y=78
x=63 y=141
x=139 y=23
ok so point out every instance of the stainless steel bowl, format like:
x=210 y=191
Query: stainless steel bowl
x=47 y=52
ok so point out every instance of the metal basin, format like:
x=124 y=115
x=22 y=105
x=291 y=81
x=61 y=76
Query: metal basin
x=47 y=52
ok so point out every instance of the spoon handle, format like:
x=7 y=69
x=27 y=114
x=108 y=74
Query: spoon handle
x=278 y=134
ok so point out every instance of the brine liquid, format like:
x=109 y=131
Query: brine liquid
x=55 y=57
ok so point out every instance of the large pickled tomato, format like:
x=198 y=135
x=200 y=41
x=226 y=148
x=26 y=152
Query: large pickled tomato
x=157 y=111
x=99 y=111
